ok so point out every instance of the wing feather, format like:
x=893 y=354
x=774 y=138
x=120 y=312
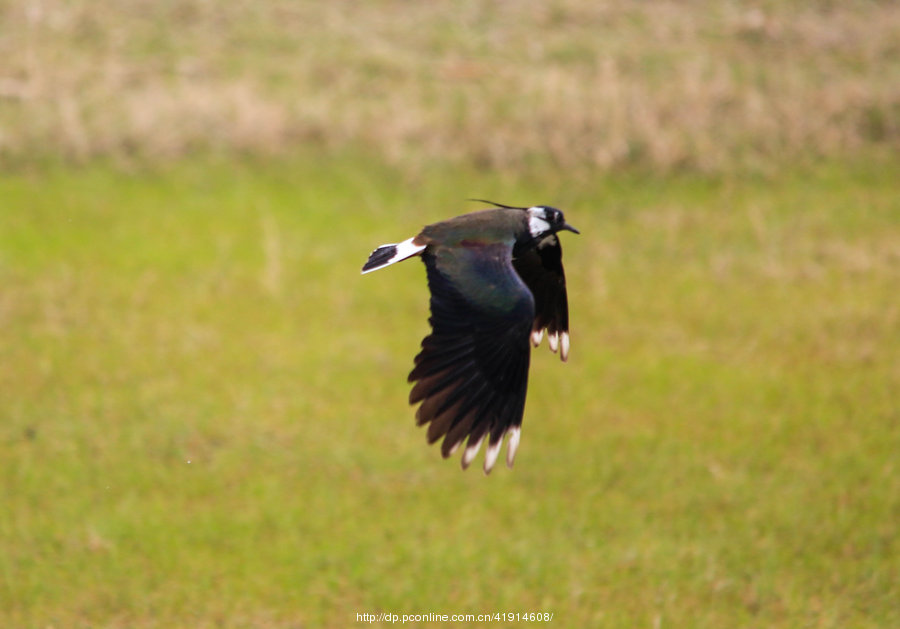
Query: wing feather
x=542 y=271
x=471 y=374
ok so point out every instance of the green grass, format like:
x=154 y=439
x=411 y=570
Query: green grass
x=202 y=403
x=204 y=419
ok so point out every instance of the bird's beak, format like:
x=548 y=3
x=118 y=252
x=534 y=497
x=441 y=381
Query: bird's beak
x=568 y=227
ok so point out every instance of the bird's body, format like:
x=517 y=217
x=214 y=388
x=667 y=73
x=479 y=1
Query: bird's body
x=496 y=279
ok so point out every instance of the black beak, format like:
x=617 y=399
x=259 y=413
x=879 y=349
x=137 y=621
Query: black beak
x=568 y=227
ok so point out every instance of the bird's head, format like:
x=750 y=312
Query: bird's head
x=544 y=220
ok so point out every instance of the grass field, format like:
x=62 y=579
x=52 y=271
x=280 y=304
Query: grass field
x=204 y=419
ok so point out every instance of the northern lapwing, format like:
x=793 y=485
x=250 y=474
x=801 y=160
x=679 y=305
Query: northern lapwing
x=496 y=280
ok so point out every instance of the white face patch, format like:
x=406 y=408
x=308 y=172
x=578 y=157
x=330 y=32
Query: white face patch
x=537 y=221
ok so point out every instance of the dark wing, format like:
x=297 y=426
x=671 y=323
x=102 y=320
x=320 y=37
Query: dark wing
x=542 y=271
x=472 y=373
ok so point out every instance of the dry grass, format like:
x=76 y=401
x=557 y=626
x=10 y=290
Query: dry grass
x=666 y=85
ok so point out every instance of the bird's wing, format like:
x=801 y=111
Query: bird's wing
x=542 y=271
x=472 y=373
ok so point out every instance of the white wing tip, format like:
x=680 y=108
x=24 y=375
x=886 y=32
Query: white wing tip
x=553 y=339
x=512 y=445
x=564 y=346
x=536 y=336
x=490 y=456
x=492 y=452
x=471 y=452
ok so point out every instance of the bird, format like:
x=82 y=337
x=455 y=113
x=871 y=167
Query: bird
x=496 y=283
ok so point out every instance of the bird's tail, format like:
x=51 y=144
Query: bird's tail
x=388 y=254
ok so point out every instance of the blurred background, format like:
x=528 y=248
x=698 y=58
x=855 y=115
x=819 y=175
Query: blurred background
x=664 y=85
x=203 y=418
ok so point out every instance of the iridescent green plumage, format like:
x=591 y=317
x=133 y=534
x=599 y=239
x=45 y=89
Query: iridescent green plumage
x=495 y=279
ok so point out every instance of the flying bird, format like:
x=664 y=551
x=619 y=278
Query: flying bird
x=496 y=281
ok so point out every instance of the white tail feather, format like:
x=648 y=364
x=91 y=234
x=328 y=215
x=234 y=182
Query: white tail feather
x=401 y=251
